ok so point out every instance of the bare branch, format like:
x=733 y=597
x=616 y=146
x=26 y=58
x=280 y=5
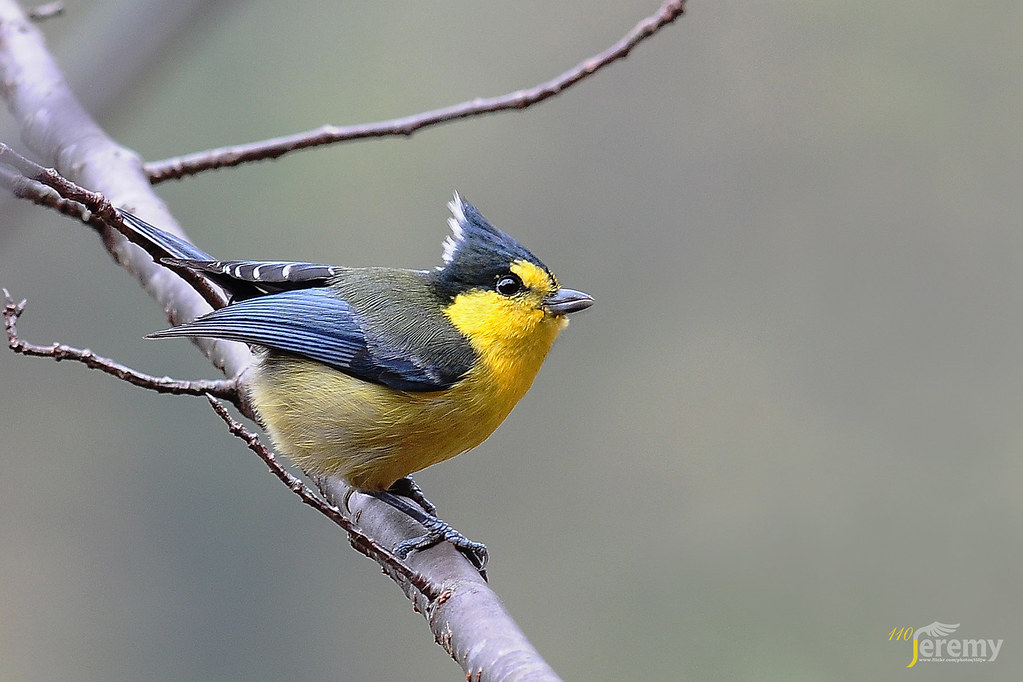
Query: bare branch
x=54 y=126
x=235 y=155
x=83 y=156
x=465 y=616
x=47 y=11
x=38 y=193
x=224 y=388
x=92 y=208
x=46 y=187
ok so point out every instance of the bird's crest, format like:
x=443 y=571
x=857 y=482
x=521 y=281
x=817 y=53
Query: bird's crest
x=475 y=243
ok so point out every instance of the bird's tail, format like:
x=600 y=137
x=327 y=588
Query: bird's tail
x=157 y=243
x=239 y=279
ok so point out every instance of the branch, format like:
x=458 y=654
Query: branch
x=55 y=126
x=47 y=11
x=459 y=609
x=441 y=583
x=455 y=608
x=398 y=571
x=46 y=187
x=223 y=157
x=466 y=617
x=224 y=388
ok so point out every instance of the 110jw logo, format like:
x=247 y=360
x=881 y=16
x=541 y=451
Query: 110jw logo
x=931 y=644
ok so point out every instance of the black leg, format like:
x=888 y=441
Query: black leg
x=436 y=531
x=406 y=487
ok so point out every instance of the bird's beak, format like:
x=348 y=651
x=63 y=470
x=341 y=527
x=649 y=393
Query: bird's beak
x=564 y=301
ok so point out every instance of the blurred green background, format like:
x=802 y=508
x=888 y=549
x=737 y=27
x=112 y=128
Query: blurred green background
x=791 y=423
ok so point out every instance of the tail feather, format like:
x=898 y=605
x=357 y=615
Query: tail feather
x=158 y=243
x=186 y=259
x=241 y=280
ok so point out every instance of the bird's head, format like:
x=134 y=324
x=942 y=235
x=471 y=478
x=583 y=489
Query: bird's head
x=501 y=295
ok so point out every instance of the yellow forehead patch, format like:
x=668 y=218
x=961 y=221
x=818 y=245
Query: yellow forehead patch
x=535 y=278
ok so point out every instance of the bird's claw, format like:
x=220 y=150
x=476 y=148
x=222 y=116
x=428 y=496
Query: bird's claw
x=436 y=530
x=439 y=531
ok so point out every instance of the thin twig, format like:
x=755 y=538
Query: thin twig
x=222 y=388
x=47 y=187
x=222 y=157
x=47 y=11
x=41 y=195
x=359 y=540
x=49 y=177
x=227 y=390
x=54 y=125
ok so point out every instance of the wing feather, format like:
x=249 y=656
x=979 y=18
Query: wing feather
x=316 y=324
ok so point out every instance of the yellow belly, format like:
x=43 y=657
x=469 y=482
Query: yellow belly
x=330 y=423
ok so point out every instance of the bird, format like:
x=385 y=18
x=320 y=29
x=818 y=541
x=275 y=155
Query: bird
x=375 y=373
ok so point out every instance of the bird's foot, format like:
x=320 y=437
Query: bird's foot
x=437 y=531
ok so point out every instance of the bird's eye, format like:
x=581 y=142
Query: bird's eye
x=509 y=285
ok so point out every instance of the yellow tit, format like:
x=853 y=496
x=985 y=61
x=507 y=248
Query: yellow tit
x=372 y=374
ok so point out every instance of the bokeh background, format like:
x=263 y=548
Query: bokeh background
x=791 y=423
